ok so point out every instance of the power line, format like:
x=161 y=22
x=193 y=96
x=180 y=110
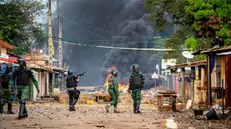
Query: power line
x=121 y=48
x=122 y=41
x=80 y=25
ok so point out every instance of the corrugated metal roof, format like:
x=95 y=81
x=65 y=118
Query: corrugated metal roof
x=191 y=64
x=224 y=53
x=216 y=50
x=8 y=46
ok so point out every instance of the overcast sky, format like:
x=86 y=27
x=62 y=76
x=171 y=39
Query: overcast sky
x=43 y=18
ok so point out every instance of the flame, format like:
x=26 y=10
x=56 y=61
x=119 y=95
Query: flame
x=120 y=86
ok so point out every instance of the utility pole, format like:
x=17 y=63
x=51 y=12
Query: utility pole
x=60 y=46
x=50 y=41
x=31 y=39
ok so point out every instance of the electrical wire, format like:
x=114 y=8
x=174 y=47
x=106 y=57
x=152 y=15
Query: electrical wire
x=121 y=48
x=80 y=25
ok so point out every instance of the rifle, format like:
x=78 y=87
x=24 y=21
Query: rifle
x=81 y=74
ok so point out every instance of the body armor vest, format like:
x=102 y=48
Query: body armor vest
x=71 y=81
x=23 y=76
x=110 y=83
x=137 y=81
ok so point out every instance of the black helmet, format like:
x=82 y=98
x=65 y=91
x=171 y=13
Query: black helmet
x=114 y=72
x=21 y=60
x=70 y=72
x=135 y=68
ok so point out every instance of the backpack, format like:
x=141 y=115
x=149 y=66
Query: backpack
x=137 y=81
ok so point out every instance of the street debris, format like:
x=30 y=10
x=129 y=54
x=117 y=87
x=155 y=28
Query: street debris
x=90 y=113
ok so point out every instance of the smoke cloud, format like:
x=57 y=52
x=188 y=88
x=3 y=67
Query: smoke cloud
x=117 y=20
x=135 y=35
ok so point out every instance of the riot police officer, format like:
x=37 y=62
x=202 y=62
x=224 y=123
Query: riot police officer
x=136 y=83
x=72 y=83
x=23 y=75
x=113 y=91
x=5 y=78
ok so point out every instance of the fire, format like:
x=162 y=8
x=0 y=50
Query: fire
x=120 y=86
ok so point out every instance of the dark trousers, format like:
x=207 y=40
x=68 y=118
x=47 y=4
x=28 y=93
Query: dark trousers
x=73 y=97
x=22 y=110
x=5 y=97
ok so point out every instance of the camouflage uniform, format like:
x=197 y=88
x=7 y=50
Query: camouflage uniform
x=23 y=76
x=113 y=91
x=136 y=83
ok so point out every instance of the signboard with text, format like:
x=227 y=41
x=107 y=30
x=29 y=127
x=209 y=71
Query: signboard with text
x=168 y=62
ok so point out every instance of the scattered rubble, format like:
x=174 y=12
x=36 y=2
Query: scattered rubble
x=89 y=113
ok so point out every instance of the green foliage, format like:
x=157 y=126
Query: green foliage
x=191 y=44
x=16 y=23
x=162 y=10
x=210 y=18
x=199 y=22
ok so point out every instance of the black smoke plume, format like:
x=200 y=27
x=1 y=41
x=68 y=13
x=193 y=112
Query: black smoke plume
x=117 y=20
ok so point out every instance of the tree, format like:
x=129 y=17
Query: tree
x=200 y=23
x=16 y=23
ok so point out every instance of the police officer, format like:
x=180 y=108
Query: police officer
x=6 y=77
x=136 y=83
x=113 y=91
x=23 y=75
x=71 y=83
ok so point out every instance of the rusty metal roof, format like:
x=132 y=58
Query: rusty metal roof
x=191 y=64
x=216 y=50
x=6 y=45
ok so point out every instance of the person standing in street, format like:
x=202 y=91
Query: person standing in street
x=23 y=76
x=72 y=83
x=113 y=91
x=5 y=78
x=136 y=83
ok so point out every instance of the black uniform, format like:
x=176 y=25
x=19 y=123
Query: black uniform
x=71 y=84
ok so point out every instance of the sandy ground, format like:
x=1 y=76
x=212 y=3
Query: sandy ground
x=56 y=116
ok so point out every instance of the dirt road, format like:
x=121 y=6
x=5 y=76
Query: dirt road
x=55 y=116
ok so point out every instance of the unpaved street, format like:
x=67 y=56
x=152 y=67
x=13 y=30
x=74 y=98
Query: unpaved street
x=56 y=116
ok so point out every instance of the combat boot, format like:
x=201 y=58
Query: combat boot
x=115 y=110
x=134 y=108
x=25 y=111
x=138 y=109
x=9 y=111
x=1 y=111
x=21 y=111
x=1 y=108
x=72 y=108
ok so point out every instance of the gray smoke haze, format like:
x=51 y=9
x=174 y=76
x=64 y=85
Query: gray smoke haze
x=116 y=20
x=135 y=35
